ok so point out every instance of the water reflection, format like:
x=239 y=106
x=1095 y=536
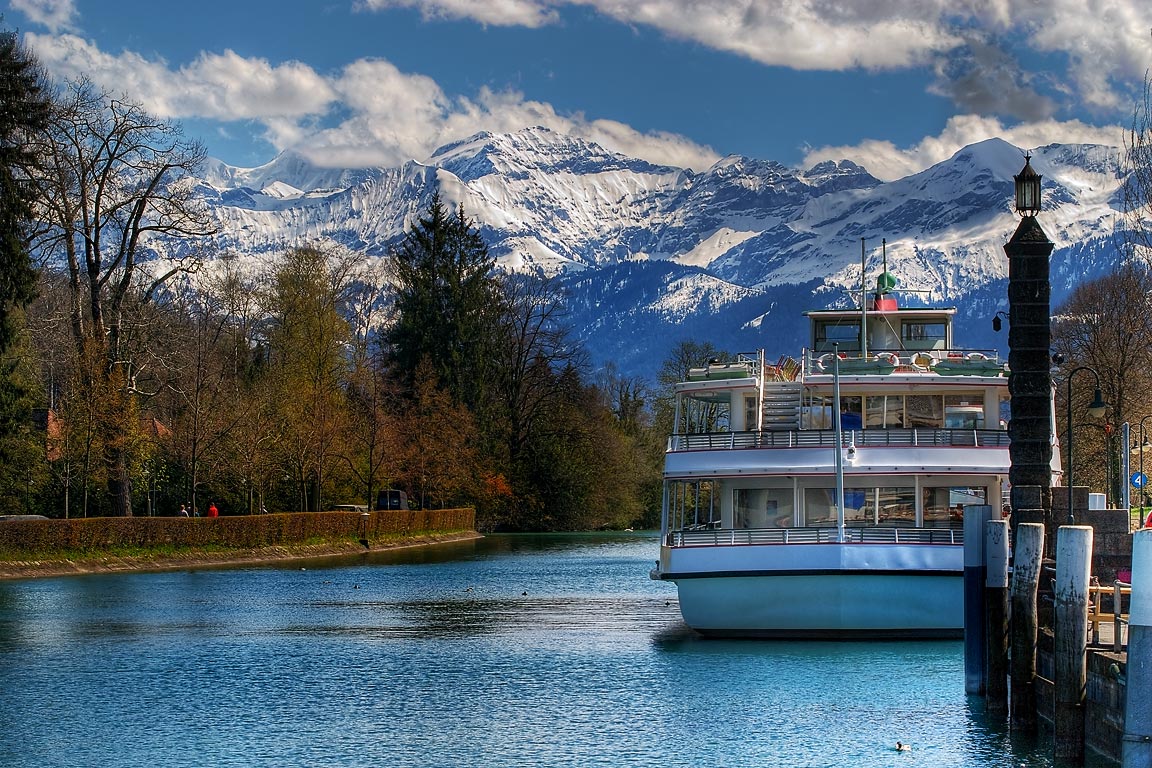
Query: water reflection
x=513 y=650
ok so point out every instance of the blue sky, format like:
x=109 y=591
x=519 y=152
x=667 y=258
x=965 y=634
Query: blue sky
x=683 y=82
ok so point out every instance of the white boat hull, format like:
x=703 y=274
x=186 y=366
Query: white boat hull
x=820 y=591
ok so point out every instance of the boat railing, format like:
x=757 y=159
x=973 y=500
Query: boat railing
x=826 y=438
x=712 y=537
x=819 y=361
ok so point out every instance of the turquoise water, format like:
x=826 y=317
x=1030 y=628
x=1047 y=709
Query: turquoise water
x=510 y=651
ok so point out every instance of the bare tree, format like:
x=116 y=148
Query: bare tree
x=1136 y=168
x=369 y=445
x=115 y=182
x=1106 y=324
x=532 y=351
x=206 y=402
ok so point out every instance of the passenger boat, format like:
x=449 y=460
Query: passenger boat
x=823 y=497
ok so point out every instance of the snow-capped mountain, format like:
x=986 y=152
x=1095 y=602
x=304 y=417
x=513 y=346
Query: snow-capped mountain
x=651 y=255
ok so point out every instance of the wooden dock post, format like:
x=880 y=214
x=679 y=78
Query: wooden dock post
x=996 y=615
x=1070 y=636
x=975 y=671
x=1137 y=741
x=1025 y=581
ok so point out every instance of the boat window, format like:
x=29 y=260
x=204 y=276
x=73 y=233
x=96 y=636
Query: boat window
x=694 y=505
x=944 y=506
x=702 y=415
x=863 y=507
x=820 y=507
x=964 y=411
x=844 y=332
x=817 y=414
x=762 y=507
x=924 y=411
x=919 y=330
x=896 y=506
x=750 y=416
x=885 y=411
x=851 y=415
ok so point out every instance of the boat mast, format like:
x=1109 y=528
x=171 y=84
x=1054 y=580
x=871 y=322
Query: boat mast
x=863 y=308
x=839 y=432
x=760 y=393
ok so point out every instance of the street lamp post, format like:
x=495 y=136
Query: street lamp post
x=1143 y=480
x=1029 y=345
x=1096 y=409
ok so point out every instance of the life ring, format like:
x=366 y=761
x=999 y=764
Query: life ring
x=888 y=357
x=923 y=360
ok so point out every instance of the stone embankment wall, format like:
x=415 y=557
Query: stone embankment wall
x=1104 y=695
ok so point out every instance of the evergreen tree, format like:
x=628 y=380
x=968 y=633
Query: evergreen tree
x=446 y=303
x=24 y=112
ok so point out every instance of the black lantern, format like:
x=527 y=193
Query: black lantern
x=1027 y=189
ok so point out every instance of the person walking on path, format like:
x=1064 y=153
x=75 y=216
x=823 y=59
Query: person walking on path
x=183 y=511
x=212 y=511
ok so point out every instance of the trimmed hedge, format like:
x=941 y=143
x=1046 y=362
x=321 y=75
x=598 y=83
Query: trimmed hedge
x=22 y=539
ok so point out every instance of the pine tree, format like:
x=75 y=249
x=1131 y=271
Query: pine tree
x=446 y=303
x=24 y=111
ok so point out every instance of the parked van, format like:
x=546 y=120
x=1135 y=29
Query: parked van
x=350 y=508
x=392 y=498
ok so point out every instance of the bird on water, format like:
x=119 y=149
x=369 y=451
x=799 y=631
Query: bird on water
x=902 y=747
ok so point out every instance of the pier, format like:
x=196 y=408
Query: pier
x=1070 y=658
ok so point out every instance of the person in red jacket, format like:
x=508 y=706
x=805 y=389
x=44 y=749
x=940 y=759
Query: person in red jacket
x=212 y=511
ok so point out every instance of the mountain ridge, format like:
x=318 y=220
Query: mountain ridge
x=712 y=244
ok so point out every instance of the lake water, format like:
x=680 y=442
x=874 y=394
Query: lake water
x=508 y=651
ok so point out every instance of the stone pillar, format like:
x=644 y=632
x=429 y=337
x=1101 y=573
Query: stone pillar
x=1137 y=749
x=1029 y=362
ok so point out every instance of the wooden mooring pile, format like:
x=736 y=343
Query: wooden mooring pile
x=1058 y=629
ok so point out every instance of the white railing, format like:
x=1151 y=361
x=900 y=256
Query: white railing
x=826 y=438
x=819 y=362
x=714 y=537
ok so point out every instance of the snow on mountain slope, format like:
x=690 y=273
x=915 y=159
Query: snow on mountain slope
x=652 y=254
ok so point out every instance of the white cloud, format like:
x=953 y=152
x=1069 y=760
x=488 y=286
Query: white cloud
x=502 y=13
x=56 y=15
x=887 y=161
x=400 y=117
x=370 y=113
x=1106 y=43
x=217 y=86
x=801 y=34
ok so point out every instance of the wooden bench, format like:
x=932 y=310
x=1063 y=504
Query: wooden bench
x=1096 y=615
